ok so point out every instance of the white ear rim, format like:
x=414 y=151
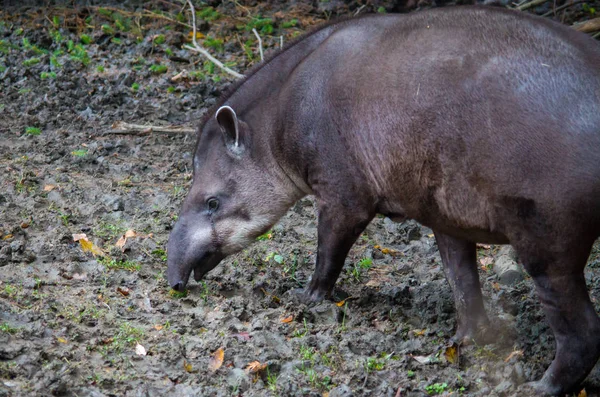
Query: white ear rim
x=237 y=131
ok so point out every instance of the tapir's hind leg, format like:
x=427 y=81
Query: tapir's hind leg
x=560 y=284
x=460 y=266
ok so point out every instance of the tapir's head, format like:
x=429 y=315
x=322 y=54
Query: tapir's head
x=235 y=197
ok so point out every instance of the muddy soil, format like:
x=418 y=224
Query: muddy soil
x=81 y=323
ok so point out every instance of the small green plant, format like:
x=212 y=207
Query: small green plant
x=169 y=52
x=160 y=254
x=7 y=328
x=135 y=87
x=126 y=336
x=262 y=25
x=79 y=152
x=116 y=40
x=19 y=32
x=436 y=388
x=113 y=264
x=410 y=374
x=47 y=75
x=78 y=53
x=289 y=24
x=31 y=62
x=104 y=12
x=381 y=10
x=107 y=29
x=171 y=89
x=271 y=381
x=159 y=39
x=178 y=294
x=10 y=290
x=301 y=332
x=100 y=69
x=307 y=353
x=214 y=43
x=208 y=14
x=158 y=68
x=205 y=293
x=377 y=363
x=266 y=236
x=33 y=131
x=30 y=47
x=358 y=268
x=5 y=46
x=590 y=10
x=85 y=39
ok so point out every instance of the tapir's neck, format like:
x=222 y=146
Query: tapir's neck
x=258 y=102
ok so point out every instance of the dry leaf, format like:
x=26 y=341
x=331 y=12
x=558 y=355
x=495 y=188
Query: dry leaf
x=421 y=359
x=514 y=353
x=486 y=261
x=582 y=393
x=123 y=291
x=187 y=366
x=130 y=233
x=121 y=243
x=61 y=340
x=451 y=354
x=87 y=245
x=8 y=236
x=341 y=303
x=216 y=360
x=49 y=188
x=288 y=319
x=325 y=394
x=140 y=350
x=496 y=286
x=24 y=225
x=420 y=332
x=255 y=366
x=158 y=327
x=485 y=246
x=198 y=35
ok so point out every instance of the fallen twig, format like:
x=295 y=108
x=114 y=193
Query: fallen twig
x=197 y=48
x=121 y=127
x=530 y=4
x=557 y=9
x=588 y=26
x=260 y=50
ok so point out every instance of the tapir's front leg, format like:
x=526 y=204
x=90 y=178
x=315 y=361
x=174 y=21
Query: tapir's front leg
x=460 y=266
x=339 y=227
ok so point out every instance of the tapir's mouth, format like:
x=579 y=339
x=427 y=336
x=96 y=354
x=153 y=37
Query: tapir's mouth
x=208 y=262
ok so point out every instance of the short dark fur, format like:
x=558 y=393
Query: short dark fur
x=480 y=123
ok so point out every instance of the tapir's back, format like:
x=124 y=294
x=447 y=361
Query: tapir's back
x=471 y=104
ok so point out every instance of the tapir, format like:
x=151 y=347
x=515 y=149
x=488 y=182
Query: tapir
x=480 y=123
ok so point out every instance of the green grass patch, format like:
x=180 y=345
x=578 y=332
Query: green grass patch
x=33 y=131
x=79 y=152
x=8 y=329
x=113 y=264
x=31 y=62
x=158 y=69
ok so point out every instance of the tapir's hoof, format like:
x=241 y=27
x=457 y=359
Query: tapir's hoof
x=479 y=335
x=307 y=297
x=542 y=388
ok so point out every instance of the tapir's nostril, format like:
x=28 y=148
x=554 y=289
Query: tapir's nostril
x=178 y=286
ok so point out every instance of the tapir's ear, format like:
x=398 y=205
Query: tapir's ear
x=228 y=122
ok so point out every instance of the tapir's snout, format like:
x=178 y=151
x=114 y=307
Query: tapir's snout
x=186 y=255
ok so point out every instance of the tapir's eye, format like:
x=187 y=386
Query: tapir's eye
x=212 y=204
